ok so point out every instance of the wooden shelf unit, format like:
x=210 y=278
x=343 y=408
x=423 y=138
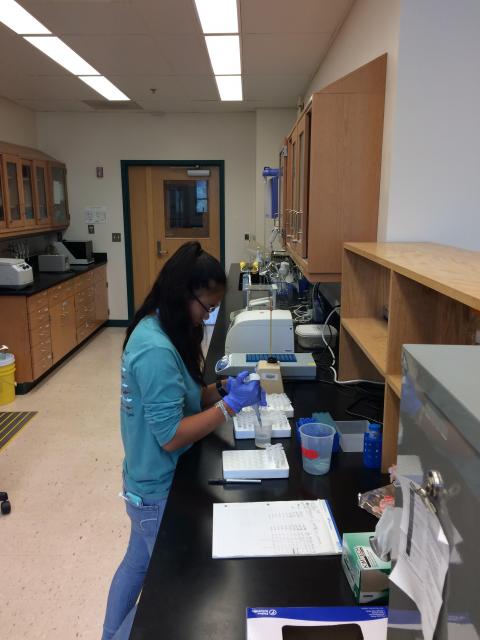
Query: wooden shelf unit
x=403 y=293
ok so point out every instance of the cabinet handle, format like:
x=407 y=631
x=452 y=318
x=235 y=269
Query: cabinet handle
x=159 y=249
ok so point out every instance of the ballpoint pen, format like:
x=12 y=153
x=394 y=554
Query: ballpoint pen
x=235 y=480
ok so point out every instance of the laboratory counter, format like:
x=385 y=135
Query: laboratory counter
x=189 y=596
x=46 y=280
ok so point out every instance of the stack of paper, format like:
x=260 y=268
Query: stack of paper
x=284 y=528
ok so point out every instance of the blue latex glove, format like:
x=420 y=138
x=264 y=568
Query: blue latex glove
x=243 y=394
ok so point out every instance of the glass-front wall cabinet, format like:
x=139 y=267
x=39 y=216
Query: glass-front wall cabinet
x=27 y=187
x=59 y=194
x=41 y=189
x=3 y=222
x=12 y=170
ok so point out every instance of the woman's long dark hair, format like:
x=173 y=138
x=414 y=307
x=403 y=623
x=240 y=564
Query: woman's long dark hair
x=188 y=270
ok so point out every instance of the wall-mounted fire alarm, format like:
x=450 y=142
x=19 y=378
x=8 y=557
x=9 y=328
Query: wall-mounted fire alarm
x=99 y=172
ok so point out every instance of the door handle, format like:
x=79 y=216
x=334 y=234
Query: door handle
x=159 y=249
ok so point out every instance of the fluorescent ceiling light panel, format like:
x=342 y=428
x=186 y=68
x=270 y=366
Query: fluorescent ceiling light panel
x=218 y=16
x=16 y=18
x=229 y=87
x=104 y=87
x=61 y=53
x=224 y=52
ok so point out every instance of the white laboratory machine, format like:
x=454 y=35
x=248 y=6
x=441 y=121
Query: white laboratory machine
x=261 y=330
x=293 y=366
x=15 y=273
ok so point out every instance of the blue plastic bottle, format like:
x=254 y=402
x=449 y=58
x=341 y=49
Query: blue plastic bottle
x=372 y=446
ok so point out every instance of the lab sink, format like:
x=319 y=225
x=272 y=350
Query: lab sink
x=254 y=279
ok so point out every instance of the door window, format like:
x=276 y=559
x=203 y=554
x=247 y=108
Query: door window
x=186 y=208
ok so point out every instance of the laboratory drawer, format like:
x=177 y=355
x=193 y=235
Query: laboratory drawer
x=83 y=281
x=60 y=292
x=84 y=296
x=40 y=334
x=40 y=366
x=39 y=317
x=84 y=313
x=41 y=351
x=85 y=329
x=37 y=301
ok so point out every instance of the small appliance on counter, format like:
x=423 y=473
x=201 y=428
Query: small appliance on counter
x=15 y=273
x=79 y=253
x=53 y=263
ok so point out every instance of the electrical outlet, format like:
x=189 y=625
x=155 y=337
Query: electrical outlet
x=247 y=236
x=116 y=237
x=91 y=228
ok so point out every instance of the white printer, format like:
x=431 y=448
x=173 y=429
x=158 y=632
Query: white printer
x=249 y=332
x=15 y=273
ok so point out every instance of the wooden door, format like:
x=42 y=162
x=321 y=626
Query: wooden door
x=292 y=191
x=168 y=208
x=13 y=191
x=63 y=328
x=282 y=163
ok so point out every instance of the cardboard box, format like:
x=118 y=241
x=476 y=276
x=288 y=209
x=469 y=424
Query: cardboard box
x=366 y=573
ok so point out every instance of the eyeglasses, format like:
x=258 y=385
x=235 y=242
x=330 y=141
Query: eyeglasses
x=207 y=309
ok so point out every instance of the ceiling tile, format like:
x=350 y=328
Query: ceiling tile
x=126 y=54
x=19 y=56
x=26 y=87
x=54 y=105
x=168 y=16
x=281 y=91
x=87 y=17
x=173 y=88
x=286 y=16
x=283 y=54
x=186 y=54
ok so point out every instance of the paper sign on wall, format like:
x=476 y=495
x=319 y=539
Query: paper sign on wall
x=95 y=215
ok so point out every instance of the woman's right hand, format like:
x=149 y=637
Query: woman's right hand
x=243 y=394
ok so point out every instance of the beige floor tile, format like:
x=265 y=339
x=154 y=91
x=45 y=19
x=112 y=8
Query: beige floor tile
x=68 y=530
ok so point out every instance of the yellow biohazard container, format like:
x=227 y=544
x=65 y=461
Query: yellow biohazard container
x=7 y=378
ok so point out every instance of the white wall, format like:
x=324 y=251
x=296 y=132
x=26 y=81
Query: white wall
x=370 y=30
x=17 y=125
x=84 y=141
x=272 y=125
x=435 y=186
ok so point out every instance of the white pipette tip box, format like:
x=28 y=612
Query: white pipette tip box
x=244 y=423
x=256 y=463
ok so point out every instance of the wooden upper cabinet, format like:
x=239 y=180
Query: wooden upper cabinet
x=58 y=194
x=333 y=171
x=282 y=163
x=33 y=191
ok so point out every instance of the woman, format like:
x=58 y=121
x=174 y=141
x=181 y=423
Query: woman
x=165 y=407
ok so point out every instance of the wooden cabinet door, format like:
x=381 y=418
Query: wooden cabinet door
x=101 y=296
x=3 y=215
x=282 y=163
x=291 y=187
x=58 y=194
x=41 y=191
x=12 y=171
x=63 y=328
x=27 y=192
x=300 y=234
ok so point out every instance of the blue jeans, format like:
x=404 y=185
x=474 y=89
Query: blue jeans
x=128 y=579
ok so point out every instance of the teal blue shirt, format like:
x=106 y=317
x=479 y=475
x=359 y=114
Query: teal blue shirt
x=157 y=392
